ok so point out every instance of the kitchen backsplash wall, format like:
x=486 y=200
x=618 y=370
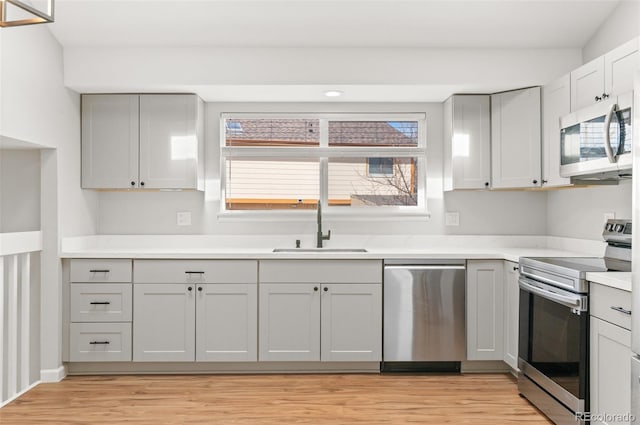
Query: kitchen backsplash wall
x=579 y=213
x=482 y=212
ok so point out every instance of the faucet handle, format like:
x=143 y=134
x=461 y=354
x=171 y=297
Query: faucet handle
x=327 y=236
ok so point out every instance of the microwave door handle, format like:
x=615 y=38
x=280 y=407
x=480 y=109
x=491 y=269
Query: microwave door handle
x=607 y=134
x=573 y=302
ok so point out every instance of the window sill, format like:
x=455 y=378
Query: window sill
x=305 y=216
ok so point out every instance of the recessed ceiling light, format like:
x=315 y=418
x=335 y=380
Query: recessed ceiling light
x=333 y=93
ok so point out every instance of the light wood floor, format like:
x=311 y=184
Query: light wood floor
x=275 y=399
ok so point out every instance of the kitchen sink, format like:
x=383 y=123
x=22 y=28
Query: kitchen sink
x=312 y=250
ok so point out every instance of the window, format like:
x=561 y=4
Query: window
x=373 y=163
x=380 y=167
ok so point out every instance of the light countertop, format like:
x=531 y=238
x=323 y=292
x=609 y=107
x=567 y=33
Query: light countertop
x=378 y=247
x=620 y=280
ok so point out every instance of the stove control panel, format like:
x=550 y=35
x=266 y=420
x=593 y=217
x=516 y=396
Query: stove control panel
x=617 y=231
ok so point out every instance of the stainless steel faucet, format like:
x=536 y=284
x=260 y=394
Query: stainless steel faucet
x=321 y=237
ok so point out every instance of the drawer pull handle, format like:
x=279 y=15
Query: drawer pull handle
x=99 y=271
x=100 y=302
x=99 y=343
x=190 y=272
x=621 y=310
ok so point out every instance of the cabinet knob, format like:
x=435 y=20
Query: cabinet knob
x=535 y=181
x=486 y=184
x=315 y=288
x=598 y=98
x=325 y=289
x=605 y=96
x=515 y=268
x=545 y=181
x=199 y=288
x=190 y=288
x=133 y=183
x=141 y=183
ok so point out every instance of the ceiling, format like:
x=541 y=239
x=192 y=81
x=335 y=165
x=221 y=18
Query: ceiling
x=451 y=24
x=329 y=23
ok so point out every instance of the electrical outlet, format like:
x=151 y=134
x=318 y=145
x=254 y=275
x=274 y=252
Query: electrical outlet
x=608 y=216
x=452 y=219
x=183 y=218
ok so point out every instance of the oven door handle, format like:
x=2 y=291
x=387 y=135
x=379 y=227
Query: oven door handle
x=574 y=302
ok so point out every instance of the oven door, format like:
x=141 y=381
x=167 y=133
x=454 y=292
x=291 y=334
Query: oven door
x=553 y=344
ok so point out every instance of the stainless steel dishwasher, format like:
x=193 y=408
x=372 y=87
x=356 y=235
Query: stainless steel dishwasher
x=424 y=315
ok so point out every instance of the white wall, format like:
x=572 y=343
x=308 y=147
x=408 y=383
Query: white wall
x=36 y=107
x=444 y=71
x=19 y=190
x=578 y=213
x=622 y=25
x=480 y=212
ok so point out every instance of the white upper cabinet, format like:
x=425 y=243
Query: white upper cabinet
x=467 y=128
x=515 y=139
x=169 y=141
x=556 y=102
x=109 y=141
x=605 y=76
x=142 y=141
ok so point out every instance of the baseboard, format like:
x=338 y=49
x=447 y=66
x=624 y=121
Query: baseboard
x=53 y=375
x=484 y=366
x=29 y=388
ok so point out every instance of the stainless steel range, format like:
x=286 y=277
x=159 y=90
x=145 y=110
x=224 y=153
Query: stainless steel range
x=554 y=325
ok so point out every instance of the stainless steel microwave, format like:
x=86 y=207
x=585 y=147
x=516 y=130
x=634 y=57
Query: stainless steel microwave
x=595 y=142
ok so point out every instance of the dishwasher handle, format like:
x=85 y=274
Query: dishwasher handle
x=424 y=267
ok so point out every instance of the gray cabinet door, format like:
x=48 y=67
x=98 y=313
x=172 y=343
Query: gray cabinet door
x=610 y=387
x=227 y=322
x=485 y=310
x=164 y=322
x=511 y=310
x=168 y=141
x=351 y=323
x=515 y=139
x=289 y=325
x=467 y=145
x=109 y=141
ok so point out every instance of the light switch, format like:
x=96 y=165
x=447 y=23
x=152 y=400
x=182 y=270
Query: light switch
x=183 y=218
x=452 y=219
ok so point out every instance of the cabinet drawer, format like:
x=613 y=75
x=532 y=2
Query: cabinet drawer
x=100 y=342
x=195 y=271
x=321 y=271
x=607 y=303
x=101 y=302
x=110 y=271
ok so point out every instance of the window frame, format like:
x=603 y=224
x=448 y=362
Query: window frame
x=323 y=153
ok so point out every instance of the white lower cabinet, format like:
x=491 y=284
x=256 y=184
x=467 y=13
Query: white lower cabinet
x=290 y=322
x=511 y=311
x=351 y=322
x=485 y=295
x=227 y=322
x=610 y=355
x=164 y=322
x=100 y=342
x=187 y=322
x=313 y=322
x=320 y=310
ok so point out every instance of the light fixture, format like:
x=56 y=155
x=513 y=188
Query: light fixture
x=333 y=93
x=25 y=14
